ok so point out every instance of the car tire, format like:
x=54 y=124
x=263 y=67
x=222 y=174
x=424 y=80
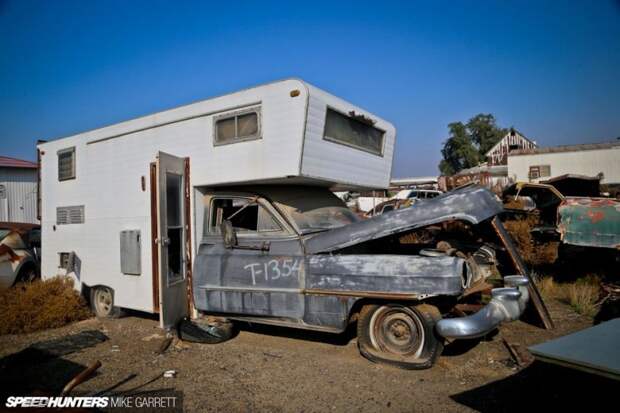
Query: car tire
x=102 y=302
x=197 y=331
x=27 y=274
x=400 y=335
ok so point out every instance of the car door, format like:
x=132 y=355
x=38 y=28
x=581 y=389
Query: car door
x=263 y=274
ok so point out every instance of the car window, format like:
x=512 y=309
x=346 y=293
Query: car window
x=245 y=214
x=413 y=194
x=387 y=208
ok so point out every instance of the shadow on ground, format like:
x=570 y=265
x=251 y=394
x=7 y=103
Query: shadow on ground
x=341 y=339
x=542 y=386
x=41 y=369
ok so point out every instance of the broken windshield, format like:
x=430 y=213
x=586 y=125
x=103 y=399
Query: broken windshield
x=313 y=209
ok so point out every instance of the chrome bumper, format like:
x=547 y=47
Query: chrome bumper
x=507 y=304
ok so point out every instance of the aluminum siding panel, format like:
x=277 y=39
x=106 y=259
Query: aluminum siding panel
x=20 y=204
x=339 y=163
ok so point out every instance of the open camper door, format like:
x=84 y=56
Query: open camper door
x=172 y=235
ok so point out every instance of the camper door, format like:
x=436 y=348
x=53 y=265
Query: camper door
x=174 y=264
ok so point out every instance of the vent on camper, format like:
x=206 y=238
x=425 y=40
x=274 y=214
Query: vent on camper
x=70 y=215
x=130 y=252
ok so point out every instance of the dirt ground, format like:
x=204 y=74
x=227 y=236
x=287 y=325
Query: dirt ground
x=278 y=369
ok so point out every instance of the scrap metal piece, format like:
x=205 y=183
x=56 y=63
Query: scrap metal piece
x=519 y=265
x=593 y=350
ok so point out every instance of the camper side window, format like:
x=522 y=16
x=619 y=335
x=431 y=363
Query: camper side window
x=245 y=214
x=235 y=127
x=354 y=131
x=66 y=164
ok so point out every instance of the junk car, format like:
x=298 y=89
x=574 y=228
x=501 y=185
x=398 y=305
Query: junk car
x=297 y=257
x=19 y=253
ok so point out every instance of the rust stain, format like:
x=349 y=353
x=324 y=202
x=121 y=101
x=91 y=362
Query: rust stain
x=5 y=249
x=596 y=216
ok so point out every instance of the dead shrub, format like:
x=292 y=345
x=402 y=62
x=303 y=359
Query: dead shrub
x=39 y=305
x=514 y=203
x=583 y=295
x=532 y=253
x=583 y=298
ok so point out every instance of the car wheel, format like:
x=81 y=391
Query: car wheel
x=102 y=302
x=399 y=335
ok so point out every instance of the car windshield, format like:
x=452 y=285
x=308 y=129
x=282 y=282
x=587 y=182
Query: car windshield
x=4 y=233
x=314 y=209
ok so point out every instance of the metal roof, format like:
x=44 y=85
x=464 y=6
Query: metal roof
x=6 y=162
x=566 y=148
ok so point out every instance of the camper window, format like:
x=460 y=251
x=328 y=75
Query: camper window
x=66 y=164
x=237 y=127
x=245 y=214
x=353 y=132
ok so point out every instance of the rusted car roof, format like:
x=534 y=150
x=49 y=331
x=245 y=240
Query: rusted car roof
x=471 y=203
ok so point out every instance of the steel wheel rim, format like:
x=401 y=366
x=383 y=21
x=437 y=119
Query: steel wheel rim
x=103 y=301
x=397 y=330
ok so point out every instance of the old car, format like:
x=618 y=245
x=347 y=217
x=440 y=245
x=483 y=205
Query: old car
x=297 y=257
x=571 y=210
x=19 y=257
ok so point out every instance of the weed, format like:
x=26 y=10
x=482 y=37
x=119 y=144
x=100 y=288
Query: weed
x=39 y=305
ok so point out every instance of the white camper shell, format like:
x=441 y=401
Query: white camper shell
x=106 y=194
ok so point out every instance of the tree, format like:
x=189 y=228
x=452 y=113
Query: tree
x=458 y=151
x=484 y=132
x=468 y=143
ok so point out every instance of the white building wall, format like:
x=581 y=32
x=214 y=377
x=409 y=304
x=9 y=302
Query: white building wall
x=585 y=162
x=19 y=203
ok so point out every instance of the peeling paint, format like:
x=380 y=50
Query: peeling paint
x=590 y=222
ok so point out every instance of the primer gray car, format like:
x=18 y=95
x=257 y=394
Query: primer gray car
x=296 y=256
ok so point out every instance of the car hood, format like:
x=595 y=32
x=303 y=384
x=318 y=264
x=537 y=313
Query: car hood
x=473 y=204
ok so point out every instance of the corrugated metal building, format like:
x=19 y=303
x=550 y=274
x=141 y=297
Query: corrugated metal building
x=592 y=159
x=18 y=190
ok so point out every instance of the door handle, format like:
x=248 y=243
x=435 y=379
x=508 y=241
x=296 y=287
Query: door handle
x=165 y=241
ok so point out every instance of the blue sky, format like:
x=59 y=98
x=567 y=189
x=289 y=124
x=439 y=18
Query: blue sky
x=550 y=69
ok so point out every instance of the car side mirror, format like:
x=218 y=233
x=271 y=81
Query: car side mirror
x=228 y=234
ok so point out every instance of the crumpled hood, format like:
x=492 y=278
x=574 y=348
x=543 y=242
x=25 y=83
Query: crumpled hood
x=473 y=204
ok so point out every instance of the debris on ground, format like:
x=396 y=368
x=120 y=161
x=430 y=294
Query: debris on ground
x=169 y=374
x=80 y=378
x=163 y=346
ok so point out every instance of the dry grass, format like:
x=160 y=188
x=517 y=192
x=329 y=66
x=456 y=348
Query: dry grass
x=583 y=295
x=40 y=305
x=533 y=254
x=514 y=203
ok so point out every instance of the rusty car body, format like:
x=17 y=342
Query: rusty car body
x=297 y=257
x=19 y=259
x=576 y=220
